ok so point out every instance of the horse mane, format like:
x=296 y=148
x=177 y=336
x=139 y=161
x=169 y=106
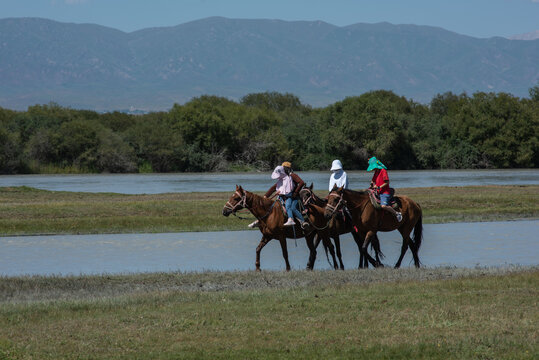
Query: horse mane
x=257 y=200
x=356 y=192
x=324 y=201
x=355 y=195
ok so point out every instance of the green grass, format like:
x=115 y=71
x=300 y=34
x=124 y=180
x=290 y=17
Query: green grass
x=27 y=211
x=374 y=314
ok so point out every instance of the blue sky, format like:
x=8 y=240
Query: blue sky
x=479 y=18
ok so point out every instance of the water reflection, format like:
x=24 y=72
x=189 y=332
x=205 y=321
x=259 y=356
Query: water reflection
x=461 y=244
x=163 y=183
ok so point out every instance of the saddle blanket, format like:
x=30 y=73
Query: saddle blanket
x=375 y=200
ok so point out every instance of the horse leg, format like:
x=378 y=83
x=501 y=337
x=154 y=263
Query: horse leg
x=359 y=242
x=365 y=251
x=413 y=247
x=260 y=246
x=403 y=251
x=375 y=244
x=312 y=249
x=407 y=242
x=282 y=241
x=332 y=252
x=328 y=246
x=338 y=248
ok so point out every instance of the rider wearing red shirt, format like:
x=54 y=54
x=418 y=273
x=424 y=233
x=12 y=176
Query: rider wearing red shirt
x=380 y=182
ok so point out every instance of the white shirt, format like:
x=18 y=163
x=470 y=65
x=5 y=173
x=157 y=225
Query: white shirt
x=338 y=178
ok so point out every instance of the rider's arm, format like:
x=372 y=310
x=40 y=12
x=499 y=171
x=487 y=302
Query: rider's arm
x=299 y=184
x=271 y=191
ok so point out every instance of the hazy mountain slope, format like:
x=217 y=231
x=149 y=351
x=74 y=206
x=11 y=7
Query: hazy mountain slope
x=101 y=68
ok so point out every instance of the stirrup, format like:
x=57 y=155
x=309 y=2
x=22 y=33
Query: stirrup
x=399 y=217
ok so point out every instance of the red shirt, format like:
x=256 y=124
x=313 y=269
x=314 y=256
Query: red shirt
x=379 y=178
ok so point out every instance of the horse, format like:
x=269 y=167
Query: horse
x=339 y=224
x=371 y=220
x=271 y=218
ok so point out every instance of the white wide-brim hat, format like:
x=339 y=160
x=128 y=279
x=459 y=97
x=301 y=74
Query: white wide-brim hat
x=336 y=165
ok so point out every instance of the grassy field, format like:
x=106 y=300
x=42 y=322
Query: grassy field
x=441 y=313
x=370 y=314
x=27 y=211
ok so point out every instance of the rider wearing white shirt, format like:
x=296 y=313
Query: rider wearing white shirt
x=338 y=177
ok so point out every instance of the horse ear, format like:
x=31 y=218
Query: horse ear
x=340 y=189
x=334 y=187
x=240 y=189
x=311 y=187
x=237 y=187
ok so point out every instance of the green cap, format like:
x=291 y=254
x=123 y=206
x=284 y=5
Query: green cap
x=374 y=163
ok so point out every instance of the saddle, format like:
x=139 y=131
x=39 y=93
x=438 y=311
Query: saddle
x=395 y=202
x=283 y=207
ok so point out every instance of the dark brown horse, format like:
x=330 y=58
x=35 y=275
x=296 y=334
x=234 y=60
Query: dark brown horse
x=271 y=218
x=371 y=220
x=339 y=224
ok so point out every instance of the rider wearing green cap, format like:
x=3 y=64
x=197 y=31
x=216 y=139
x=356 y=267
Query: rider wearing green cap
x=380 y=182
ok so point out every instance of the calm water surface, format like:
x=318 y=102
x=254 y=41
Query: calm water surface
x=460 y=244
x=164 y=183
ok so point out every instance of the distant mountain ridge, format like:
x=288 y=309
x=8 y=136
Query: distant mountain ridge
x=526 y=36
x=95 y=67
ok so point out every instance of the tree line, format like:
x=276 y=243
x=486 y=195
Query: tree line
x=210 y=133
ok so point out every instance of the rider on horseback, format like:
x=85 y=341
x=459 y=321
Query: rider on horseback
x=338 y=178
x=380 y=183
x=287 y=187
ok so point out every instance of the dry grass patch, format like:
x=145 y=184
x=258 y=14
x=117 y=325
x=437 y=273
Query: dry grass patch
x=29 y=211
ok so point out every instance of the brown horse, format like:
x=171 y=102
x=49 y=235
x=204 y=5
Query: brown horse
x=339 y=224
x=371 y=220
x=271 y=218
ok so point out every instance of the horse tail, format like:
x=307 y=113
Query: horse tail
x=326 y=250
x=375 y=245
x=418 y=233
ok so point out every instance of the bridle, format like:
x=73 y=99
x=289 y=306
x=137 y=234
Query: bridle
x=340 y=203
x=310 y=198
x=242 y=204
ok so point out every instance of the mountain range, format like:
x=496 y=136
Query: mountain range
x=95 y=67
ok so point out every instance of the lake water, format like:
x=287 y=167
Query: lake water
x=209 y=182
x=460 y=244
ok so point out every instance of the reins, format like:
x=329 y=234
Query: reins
x=307 y=202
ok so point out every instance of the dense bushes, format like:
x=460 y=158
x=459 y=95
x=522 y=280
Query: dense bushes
x=210 y=133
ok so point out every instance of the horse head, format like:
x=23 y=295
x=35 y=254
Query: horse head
x=237 y=201
x=307 y=195
x=335 y=202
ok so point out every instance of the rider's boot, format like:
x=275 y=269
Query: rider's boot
x=290 y=222
x=253 y=224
